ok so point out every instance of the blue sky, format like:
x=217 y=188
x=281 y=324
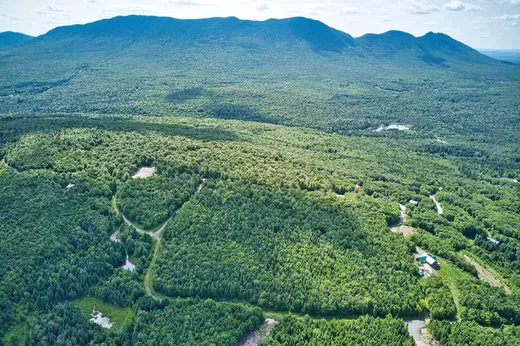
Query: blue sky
x=479 y=23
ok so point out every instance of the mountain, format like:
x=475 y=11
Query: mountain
x=288 y=170
x=120 y=35
x=10 y=39
x=221 y=67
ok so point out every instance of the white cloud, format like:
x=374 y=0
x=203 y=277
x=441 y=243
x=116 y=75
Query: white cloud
x=509 y=17
x=350 y=10
x=262 y=7
x=421 y=7
x=49 y=9
x=7 y=17
x=134 y=9
x=186 y=3
x=456 y=6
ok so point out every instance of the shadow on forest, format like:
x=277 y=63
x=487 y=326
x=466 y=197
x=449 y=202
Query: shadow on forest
x=12 y=129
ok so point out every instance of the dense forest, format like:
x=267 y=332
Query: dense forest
x=365 y=330
x=277 y=190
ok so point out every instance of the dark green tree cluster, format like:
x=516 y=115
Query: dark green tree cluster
x=150 y=202
x=286 y=250
x=365 y=330
x=179 y=322
x=55 y=241
x=192 y=321
x=471 y=334
x=439 y=299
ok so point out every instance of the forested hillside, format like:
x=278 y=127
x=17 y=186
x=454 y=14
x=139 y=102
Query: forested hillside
x=296 y=174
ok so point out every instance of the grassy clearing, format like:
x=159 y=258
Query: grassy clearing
x=17 y=334
x=119 y=316
x=148 y=280
x=450 y=274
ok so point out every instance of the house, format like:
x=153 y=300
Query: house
x=413 y=202
x=430 y=260
x=494 y=241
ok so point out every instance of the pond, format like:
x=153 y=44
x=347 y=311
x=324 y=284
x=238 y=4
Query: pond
x=392 y=127
x=98 y=318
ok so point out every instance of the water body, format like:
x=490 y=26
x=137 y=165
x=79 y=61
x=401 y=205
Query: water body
x=392 y=127
x=98 y=318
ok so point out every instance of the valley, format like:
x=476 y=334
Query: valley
x=267 y=186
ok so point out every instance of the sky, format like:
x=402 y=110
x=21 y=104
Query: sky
x=492 y=24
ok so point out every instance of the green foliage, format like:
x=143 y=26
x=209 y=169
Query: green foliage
x=365 y=330
x=267 y=113
x=57 y=237
x=189 y=322
x=120 y=317
x=471 y=334
x=150 y=202
x=439 y=299
x=286 y=250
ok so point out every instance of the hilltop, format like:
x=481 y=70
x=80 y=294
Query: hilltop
x=11 y=39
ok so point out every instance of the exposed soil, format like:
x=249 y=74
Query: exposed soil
x=400 y=228
x=254 y=338
x=439 y=208
x=486 y=275
x=144 y=172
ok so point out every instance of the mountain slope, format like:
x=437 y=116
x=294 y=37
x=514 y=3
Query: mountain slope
x=294 y=34
x=293 y=71
x=10 y=39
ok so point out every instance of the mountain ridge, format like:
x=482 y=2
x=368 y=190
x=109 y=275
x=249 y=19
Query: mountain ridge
x=11 y=38
x=319 y=36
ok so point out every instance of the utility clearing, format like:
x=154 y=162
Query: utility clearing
x=485 y=275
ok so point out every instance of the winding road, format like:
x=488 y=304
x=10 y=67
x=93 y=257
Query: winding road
x=156 y=236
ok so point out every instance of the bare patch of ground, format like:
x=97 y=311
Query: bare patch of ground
x=400 y=228
x=486 y=275
x=439 y=208
x=144 y=172
x=254 y=338
x=114 y=238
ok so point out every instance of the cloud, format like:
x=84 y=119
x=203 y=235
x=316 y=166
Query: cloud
x=134 y=9
x=457 y=6
x=186 y=3
x=262 y=7
x=49 y=9
x=421 y=7
x=509 y=17
x=92 y=1
x=8 y=18
x=350 y=10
